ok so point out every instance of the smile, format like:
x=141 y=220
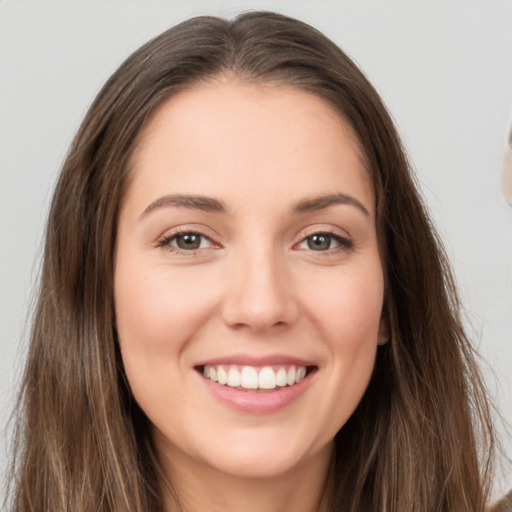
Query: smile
x=255 y=377
x=257 y=385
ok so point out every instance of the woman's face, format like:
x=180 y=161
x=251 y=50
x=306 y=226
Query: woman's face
x=246 y=257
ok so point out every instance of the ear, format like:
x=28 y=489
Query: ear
x=384 y=334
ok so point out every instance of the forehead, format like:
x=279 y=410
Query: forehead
x=227 y=135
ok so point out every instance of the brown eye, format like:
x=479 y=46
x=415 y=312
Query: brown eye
x=188 y=241
x=319 y=242
x=323 y=242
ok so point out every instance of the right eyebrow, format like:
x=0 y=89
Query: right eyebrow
x=203 y=203
x=323 y=202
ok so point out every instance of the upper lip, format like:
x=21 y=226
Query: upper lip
x=250 y=360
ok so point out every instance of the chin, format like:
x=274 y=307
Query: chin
x=258 y=467
x=262 y=460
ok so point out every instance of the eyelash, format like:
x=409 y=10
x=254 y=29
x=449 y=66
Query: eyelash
x=344 y=242
x=166 y=242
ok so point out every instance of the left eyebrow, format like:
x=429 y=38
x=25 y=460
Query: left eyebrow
x=206 y=204
x=322 y=202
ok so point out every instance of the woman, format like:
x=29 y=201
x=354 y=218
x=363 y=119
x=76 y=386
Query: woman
x=243 y=304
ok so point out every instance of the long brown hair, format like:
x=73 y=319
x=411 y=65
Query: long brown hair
x=421 y=438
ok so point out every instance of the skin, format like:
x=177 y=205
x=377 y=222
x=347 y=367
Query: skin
x=254 y=287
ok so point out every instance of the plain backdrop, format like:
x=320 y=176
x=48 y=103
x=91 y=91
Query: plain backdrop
x=444 y=68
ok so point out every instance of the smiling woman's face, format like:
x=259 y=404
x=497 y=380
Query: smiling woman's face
x=246 y=257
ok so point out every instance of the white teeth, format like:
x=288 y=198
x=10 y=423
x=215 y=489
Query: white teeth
x=267 y=378
x=281 y=377
x=233 y=378
x=254 y=377
x=210 y=373
x=222 y=376
x=291 y=376
x=249 y=378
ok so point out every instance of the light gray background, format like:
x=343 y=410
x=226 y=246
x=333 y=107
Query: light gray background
x=444 y=69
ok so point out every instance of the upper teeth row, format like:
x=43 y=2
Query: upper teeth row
x=252 y=378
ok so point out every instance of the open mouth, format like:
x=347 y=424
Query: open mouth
x=256 y=378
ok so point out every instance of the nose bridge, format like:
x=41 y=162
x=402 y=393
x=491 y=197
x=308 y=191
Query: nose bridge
x=260 y=293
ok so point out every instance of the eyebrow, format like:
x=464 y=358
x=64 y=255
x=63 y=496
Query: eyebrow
x=325 y=201
x=211 y=205
x=206 y=204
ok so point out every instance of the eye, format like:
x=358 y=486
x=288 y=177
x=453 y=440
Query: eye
x=324 y=241
x=186 y=241
x=319 y=242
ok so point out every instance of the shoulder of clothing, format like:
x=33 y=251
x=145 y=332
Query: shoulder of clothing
x=503 y=505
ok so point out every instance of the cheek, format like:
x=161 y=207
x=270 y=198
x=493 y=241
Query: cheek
x=348 y=316
x=348 y=306
x=156 y=307
x=158 y=312
x=142 y=312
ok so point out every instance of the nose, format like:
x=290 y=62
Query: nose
x=260 y=293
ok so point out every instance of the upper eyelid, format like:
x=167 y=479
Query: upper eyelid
x=165 y=241
x=319 y=229
x=177 y=234
x=183 y=230
x=344 y=241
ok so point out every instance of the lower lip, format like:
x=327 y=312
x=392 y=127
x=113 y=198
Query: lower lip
x=258 y=402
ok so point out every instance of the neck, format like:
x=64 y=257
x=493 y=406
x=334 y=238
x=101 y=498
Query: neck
x=196 y=488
